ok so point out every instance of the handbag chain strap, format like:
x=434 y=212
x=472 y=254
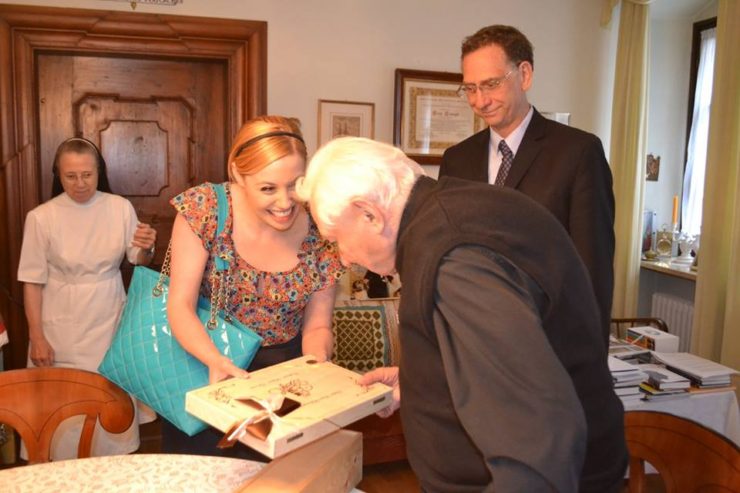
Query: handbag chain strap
x=219 y=290
x=218 y=279
x=163 y=273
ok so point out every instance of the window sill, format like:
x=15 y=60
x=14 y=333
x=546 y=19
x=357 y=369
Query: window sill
x=667 y=267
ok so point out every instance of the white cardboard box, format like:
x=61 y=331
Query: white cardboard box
x=329 y=398
x=652 y=339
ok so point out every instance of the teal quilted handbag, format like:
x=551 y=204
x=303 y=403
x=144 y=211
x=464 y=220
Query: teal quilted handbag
x=146 y=360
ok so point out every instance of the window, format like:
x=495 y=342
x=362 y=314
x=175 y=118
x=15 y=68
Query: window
x=700 y=97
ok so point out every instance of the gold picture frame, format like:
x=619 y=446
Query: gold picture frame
x=345 y=118
x=429 y=116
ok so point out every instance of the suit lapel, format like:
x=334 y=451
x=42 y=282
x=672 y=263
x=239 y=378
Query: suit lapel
x=528 y=150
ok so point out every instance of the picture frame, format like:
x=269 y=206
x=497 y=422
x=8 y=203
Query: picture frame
x=557 y=116
x=429 y=116
x=652 y=167
x=345 y=118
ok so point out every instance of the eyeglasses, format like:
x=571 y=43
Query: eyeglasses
x=486 y=87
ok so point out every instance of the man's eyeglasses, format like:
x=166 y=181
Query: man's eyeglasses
x=486 y=87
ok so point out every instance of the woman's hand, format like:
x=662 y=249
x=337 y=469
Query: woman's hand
x=144 y=237
x=389 y=376
x=224 y=368
x=41 y=352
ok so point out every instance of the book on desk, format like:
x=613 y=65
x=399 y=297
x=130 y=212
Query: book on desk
x=700 y=371
x=661 y=378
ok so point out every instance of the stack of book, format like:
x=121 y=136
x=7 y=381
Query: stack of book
x=662 y=383
x=702 y=373
x=625 y=351
x=627 y=378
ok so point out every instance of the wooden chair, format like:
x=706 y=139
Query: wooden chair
x=34 y=401
x=383 y=439
x=689 y=457
x=619 y=326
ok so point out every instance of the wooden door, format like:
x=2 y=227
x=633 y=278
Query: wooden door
x=160 y=125
x=162 y=95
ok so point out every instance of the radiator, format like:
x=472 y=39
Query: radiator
x=678 y=314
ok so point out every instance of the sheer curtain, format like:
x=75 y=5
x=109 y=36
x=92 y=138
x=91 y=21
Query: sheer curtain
x=693 y=182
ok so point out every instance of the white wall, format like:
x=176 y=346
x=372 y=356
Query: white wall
x=670 y=59
x=349 y=49
x=670 y=53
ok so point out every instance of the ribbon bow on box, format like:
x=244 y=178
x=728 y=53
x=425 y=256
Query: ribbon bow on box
x=260 y=424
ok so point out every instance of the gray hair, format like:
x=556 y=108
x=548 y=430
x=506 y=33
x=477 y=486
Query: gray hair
x=353 y=168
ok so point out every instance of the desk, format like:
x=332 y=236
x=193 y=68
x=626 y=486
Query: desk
x=132 y=473
x=715 y=410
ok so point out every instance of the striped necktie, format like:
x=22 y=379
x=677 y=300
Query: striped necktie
x=507 y=158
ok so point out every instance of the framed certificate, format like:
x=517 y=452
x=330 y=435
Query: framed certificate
x=429 y=116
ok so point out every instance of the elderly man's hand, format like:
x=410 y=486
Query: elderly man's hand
x=389 y=376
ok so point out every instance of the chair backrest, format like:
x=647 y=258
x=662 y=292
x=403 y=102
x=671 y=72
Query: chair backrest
x=34 y=401
x=619 y=326
x=689 y=457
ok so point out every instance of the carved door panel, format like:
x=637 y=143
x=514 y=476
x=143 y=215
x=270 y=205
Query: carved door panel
x=160 y=125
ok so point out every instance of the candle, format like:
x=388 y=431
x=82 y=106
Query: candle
x=675 y=210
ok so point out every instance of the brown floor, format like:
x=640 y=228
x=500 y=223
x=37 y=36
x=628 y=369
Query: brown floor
x=391 y=477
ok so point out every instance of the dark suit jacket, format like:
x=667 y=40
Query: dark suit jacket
x=564 y=169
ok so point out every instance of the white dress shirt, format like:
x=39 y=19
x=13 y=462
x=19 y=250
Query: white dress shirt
x=513 y=140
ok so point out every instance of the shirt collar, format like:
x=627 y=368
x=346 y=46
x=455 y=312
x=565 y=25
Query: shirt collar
x=515 y=137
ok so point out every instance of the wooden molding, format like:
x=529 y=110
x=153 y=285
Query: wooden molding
x=27 y=31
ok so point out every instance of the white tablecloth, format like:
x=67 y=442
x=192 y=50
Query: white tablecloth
x=131 y=473
x=715 y=410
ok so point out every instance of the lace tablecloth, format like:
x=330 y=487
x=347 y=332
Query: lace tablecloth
x=131 y=473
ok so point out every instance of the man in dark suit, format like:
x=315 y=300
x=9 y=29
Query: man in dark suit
x=561 y=167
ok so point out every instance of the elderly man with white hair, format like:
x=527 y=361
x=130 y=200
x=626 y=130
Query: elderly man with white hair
x=503 y=367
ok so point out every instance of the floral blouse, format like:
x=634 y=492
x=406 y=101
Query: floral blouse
x=276 y=313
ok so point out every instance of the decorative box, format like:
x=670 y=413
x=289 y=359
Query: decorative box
x=285 y=406
x=652 y=339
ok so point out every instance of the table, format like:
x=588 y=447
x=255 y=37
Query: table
x=715 y=410
x=132 y=473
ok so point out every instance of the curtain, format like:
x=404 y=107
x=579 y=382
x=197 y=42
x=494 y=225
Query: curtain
x=629 y=124
x=716 y=333
x=693 y=180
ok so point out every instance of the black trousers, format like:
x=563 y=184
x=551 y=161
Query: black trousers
x=175 y=441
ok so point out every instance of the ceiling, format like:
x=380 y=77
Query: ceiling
x=677 y=9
